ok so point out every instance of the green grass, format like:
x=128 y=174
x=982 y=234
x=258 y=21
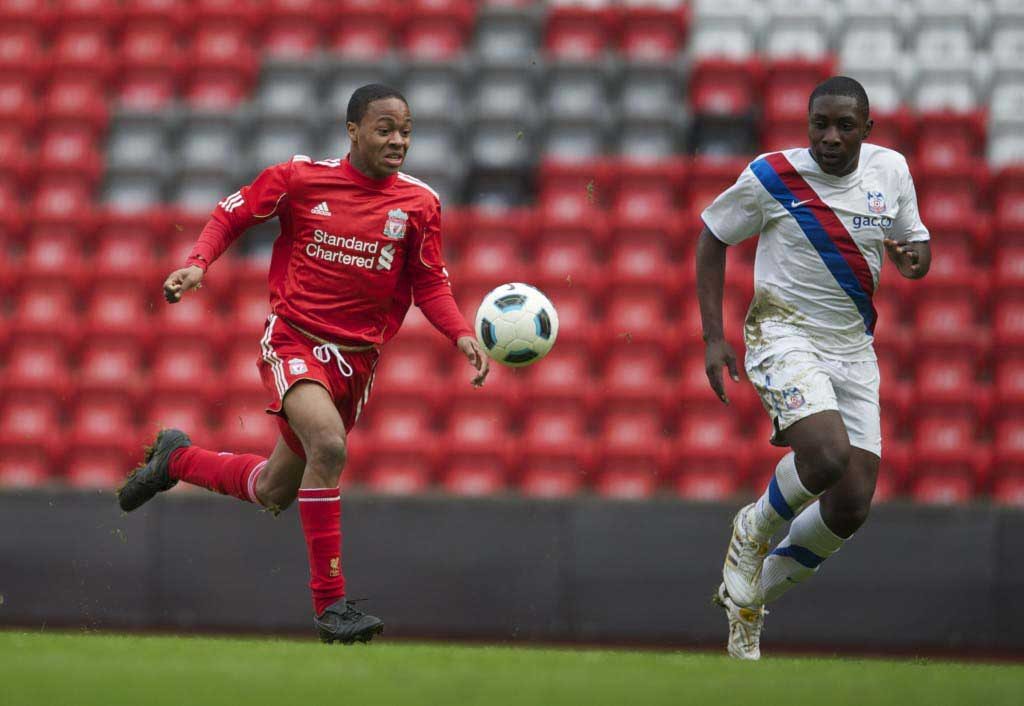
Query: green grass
x=41 y=669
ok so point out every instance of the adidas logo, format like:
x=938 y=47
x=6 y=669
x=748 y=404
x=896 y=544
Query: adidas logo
x=321 y=209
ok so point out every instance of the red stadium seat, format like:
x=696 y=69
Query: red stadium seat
x=46 y=310
x=53 y=253
x=622 y=483
x=726 y=88
x=1008 y=383
x=948 y=140
x=474 y=477
x=1009 y=202
x=23 y=469
x=945 y=442
x=1008 y=490
x=1008 y=323
x=150 y=45
x=577 y=322
x=944 y=381
x=896 y=391
x=1008 y=271
x=546 y=478
x=411 y=370
x=943 y=489
x=223 y=47
x=488 y=262
x=216 y=90
x=183 y=370
x=949 y=196
x=949 y=323
x=477 y=427
x=194 y=317
x=19 y=111
x=119 y=310
x=634 y=373
x=171 y=12
x=126 y=257
x=37 y=365
x=31 y=425
x=647 y=193
x=109 y=368
x=1008 y=445
x=576 y=34
x=564 y=261
x=435 y=30
x=707 y=485
x=73 y=150
x=186 y=412
x=366 y=36
x=398 y=425
x=787 y=84
x=76 y=99
x=147 y=90
x=555 y=434
x=63 y=201
x=21 y=51
x=642 y=262
x=639 y=316
x=709 y=177
x=106 y=425
x=247 y=313
x=18 y=13
x=83 y=48
x=241 y=375
x=293 y=37
x=708 y=439
x=632 y=439
x=244 y=425
x=653 y=33
x=88 y=12
x=398 y=474
x=219 y=13
x=564 y=376
x=101 y=470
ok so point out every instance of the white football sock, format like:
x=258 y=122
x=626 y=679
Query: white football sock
x=798 y=556
x=781 y=502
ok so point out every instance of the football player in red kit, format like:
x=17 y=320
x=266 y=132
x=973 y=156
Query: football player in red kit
x=360 y=241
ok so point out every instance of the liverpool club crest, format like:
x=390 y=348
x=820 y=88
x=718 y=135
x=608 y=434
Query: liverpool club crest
x=876 y=202
x=394 y=227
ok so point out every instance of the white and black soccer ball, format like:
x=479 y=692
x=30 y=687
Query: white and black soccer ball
x=516 y=324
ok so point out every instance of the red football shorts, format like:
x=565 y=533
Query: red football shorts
x=288 y=356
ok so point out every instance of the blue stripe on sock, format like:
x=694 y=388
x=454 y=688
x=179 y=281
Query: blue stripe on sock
x=778 y=501
x=801 y=555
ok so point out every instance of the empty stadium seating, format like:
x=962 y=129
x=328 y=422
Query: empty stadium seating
x=574 y=144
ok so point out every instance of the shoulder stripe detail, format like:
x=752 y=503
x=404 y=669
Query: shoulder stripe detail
x=232 y=202
x=301 y=158
x=413 y=180
x=329 y=162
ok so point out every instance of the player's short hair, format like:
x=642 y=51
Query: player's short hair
x=841 y=86
x=364 y=95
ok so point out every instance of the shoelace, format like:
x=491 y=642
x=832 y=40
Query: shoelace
x=323 y=354
x=751 y=552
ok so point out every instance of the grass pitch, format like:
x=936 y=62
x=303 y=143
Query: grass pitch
x=41 y=669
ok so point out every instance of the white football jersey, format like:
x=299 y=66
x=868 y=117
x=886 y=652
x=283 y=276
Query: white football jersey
x=820 y=250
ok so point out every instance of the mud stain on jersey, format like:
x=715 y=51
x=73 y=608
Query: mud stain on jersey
x=767 y=306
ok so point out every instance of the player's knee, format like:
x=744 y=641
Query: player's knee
x=328 y=453
x=831 y=462
x=278 y=499
x=848 y=515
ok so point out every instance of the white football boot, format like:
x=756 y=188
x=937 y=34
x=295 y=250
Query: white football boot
x=745 y=625
x=744 y=559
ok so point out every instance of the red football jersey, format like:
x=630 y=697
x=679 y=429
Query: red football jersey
x=353 y=252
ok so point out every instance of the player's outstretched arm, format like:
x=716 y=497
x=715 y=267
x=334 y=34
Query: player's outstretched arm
x=181 y=281
x=471 y=349
x=913 y=260
x=710 y=285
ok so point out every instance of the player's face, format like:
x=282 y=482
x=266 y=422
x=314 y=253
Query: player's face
x=836 y=126
x=381 y=140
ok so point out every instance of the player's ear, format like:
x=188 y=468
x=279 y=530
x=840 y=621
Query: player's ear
x=353 y=131
x=867 y=128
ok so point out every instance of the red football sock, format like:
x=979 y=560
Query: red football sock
x=226 y=473
x=320 y=512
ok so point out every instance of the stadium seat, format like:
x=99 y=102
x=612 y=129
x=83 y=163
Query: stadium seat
x=119 y=310
x=180 y=370
x=103 y=470
x=23 y=469
x=724 y=88
x=952 y=146
x=76 y=99
x=31 y=425
x=21 y=51
x=787 y=84
x=1008 y=382
x=126 y=257
x=634 y=373
x=632 y=438
x=550 y=479
x=576 y=34
x=564 y=260
x=948 y=382
x=244 y=425
x=473 y=476
x=391 y=474
x=896 y=392
x=489 y=261
x=555 y=436
x=945 y=441
x=949 y=323
x=564 y=377
x=104 y=425
x=365 y=36
x=639 y=316
x=1008 y=324
x=83 y=47
x=706 y=485
x=398 y=424
x=1008 y=445
x=1008 y=490
x=63 y=200
x=37 y=365
x=654 y=32
x=626 y=483
x=943 y=488
x=53 y=253
x=109 y=368
x=732 y=39
x=19 y=112
x=189 y=413
x=641 y=260
x=436 y=30
x=410 y=369
x=41 y=311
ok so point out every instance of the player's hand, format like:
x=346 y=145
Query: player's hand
x=904 y=255
x=717 y=354
x=471 y=349
x=181 y=281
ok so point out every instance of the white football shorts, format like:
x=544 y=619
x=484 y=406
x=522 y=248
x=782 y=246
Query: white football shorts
x=796 y=382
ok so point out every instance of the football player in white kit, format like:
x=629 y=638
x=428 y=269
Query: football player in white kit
x=825 y=216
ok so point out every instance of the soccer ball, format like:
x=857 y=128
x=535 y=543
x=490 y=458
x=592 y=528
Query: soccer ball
x=516 y=324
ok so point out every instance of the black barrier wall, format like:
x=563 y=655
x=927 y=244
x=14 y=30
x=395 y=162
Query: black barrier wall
x=584 y=570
